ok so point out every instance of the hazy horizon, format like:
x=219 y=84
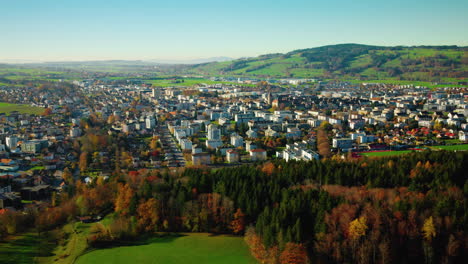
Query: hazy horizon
x=52 y=30
x=189 y=59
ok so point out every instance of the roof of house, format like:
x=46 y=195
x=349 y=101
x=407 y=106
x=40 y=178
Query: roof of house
x=257 y=150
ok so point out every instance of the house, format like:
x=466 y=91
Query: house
x=463 y=136
x=232 y=156
x=237 y=141
x=9 y=199
x=258 y=154
x=11 y=142
x=214 y=133
x=213 y=143
x=201 y=159
x=75 y=132
x=251 y=133
x=196 y=149
x=33 y=146
x=293 y=132
x=38 y=192
x=308 y=154
x=185 y=144
x=342 y=143
x=249 y=145
x=271 y=133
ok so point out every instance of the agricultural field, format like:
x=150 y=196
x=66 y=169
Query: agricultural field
x=187 y=248
x=182 y=82
x=24 y=109
x=353 y=61
x=32 y=73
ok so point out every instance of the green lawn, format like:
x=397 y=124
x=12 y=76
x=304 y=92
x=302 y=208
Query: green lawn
x=24 y=109
x=452 y=147
x=189 y=248
x=385 y=153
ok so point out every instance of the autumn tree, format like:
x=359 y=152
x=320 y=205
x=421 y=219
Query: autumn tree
x=428 y=229
x=238 y=224
x=294 y=254
x=124 y=198
x=47 y=112
x=357 y=228
x=429 y=232
x=268 y=168
x=83 y=163
x=147 y=214
x=67 y=176
x=255 y=244
x=323 y=144
x=153 y=143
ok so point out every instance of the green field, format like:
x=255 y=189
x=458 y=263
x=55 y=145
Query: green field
x=25 y=248
x=21 y=249
x=24 y=109
x=188 y=248
x=360 y=62
x=183 y=82
x=452 y=147
x=463 y=147
x=385 y=153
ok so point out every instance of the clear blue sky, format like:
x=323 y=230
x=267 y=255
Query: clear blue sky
x=185 y=29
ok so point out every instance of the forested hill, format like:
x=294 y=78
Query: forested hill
x=421 y=63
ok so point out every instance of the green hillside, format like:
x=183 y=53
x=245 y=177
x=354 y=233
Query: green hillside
x=355 y=61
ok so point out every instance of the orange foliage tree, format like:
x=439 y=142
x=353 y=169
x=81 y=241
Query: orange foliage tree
x=238 y=224
x=294 y=254
x=147 y=214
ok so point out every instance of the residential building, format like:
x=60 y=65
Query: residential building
x=232 y=156
x=201 y=159
x=343 y=143
x=258 y=154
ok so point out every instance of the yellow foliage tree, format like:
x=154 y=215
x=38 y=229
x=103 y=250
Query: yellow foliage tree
x=67 y=176
x=123 y=200
x=357 y=228
x=83 y=161
x=154 y=143
x=428 y=229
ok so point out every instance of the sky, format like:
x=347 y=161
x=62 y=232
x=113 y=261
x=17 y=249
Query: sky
x=79 y=30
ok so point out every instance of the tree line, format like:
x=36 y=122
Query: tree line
x=395 y=209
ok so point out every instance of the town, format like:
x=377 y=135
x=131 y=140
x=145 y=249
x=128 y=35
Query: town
x=217 y=125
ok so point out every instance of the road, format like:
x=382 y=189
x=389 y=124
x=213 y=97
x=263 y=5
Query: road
x=174 y=156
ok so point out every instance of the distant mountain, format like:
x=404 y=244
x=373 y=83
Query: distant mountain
x=356 y=61
x=194 y=61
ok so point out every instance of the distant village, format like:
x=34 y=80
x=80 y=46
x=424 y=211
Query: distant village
x=218 y=125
